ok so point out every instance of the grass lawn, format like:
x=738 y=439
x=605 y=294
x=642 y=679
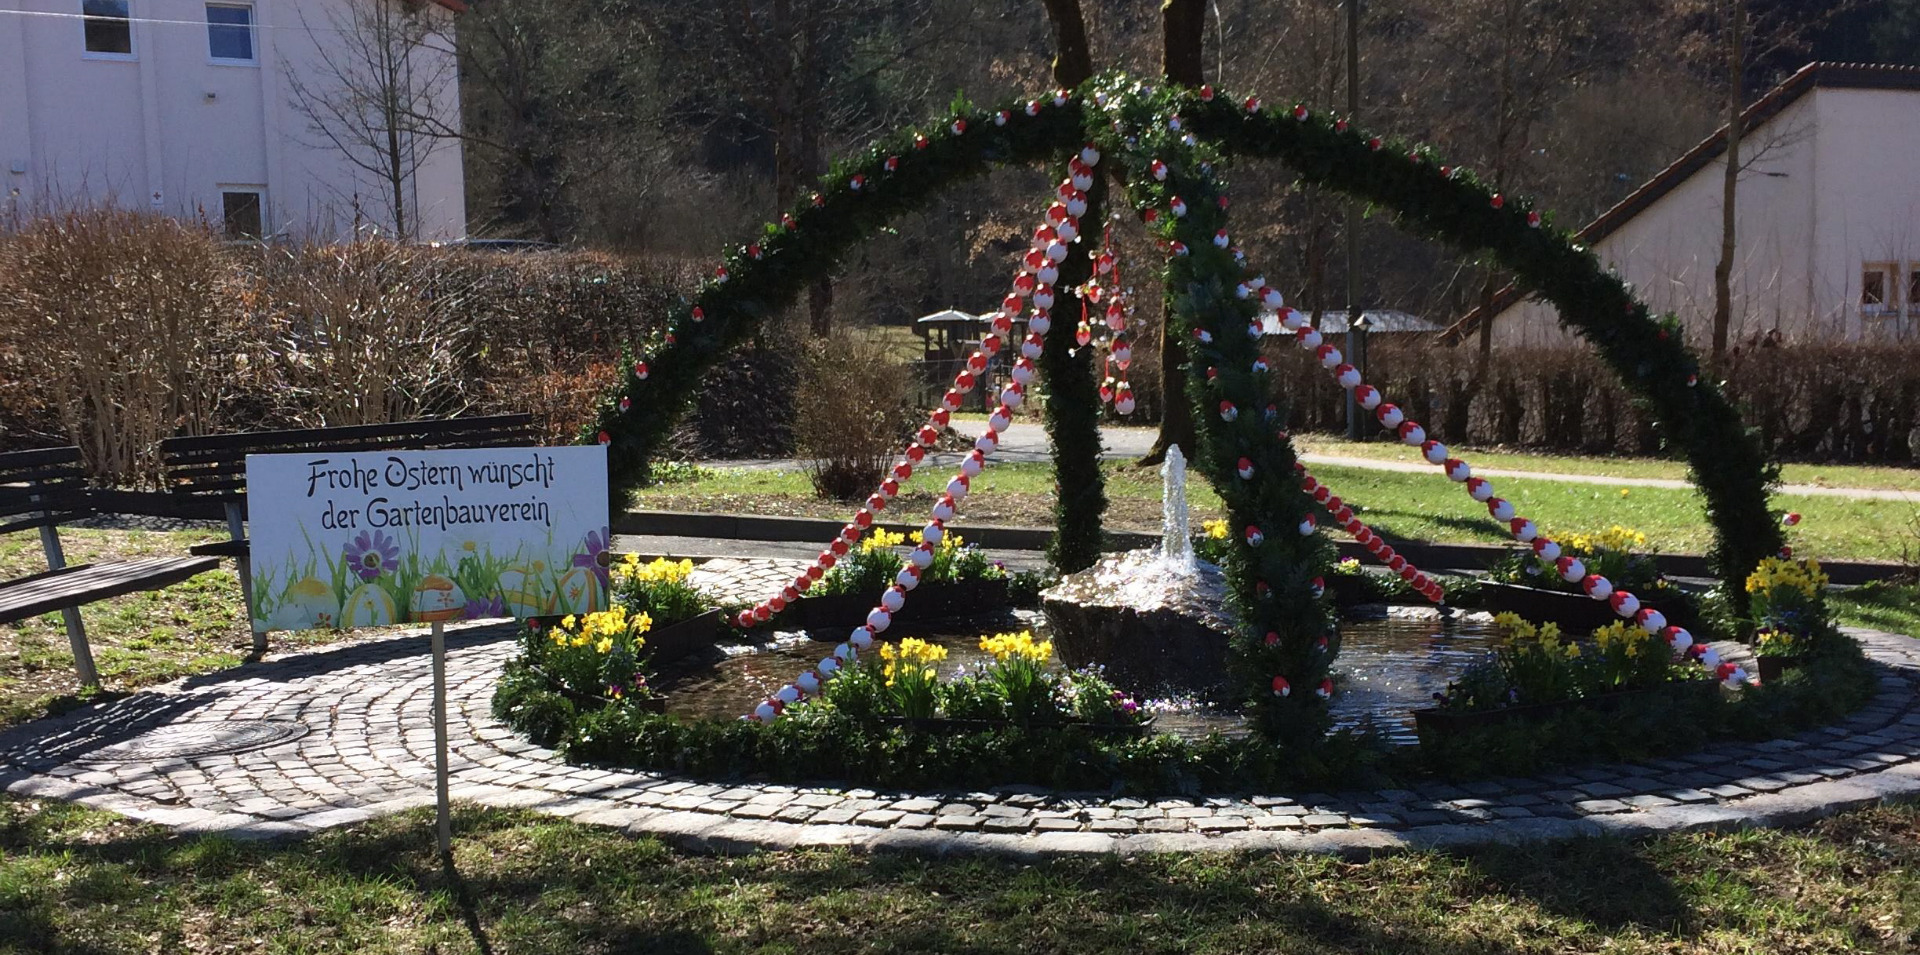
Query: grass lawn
x=195 y=626
x=78 y=880
x=1422 y=506
x=1894 y=608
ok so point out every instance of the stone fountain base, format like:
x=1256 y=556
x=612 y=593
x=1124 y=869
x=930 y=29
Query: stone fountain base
x=1154 y=628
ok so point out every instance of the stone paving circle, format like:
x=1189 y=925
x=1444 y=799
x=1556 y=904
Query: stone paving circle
x=209 y=761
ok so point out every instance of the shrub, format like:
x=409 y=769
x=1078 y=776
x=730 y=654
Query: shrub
x=120 y=328
x=117 y=330
x=850 y=416
x=1812 y=402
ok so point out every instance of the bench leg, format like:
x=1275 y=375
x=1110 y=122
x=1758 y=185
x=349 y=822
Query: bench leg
x=76 y=631
x=245 y=567
x=82 y=653
x=237 y=530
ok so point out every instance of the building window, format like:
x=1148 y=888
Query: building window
x=1913 y=286
x=1877 y=291
x=240 y=211
x=109 y=29
x=230 y=32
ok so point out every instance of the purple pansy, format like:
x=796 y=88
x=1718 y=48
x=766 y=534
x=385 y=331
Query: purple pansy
x=372 y=554
x=485 y=607
x=598 y=556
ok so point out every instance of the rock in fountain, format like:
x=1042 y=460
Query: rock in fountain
x=1155 y=618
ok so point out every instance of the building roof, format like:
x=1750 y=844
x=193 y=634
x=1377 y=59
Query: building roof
x=1812 y=76
x=1379 y=321
x=457 y=6
x=949 y=317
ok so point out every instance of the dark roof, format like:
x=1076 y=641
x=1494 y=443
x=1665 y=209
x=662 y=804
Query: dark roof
x=1380 y=321
x=1813 y=75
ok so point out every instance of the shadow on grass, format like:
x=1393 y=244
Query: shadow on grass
x=525 y=883
x=1608 y=883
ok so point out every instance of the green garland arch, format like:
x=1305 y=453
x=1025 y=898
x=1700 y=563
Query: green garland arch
x=1292 y=630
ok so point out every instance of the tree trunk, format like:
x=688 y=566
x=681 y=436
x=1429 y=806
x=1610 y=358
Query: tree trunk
x=1072 y=59
x=1723 y=270
x=1183 y=33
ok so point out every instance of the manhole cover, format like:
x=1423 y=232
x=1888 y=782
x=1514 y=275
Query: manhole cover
x=213 y=738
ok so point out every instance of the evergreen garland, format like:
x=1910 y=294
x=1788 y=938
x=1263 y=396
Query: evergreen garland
x=1450 y=204
x=1290 y=631
x=854 y=200
x=1072 y=414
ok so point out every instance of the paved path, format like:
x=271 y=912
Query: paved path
x=334 y=736
x=1410 y=465
x=1028 y=443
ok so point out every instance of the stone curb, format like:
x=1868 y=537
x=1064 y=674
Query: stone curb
x=367 y=752
x=752 y=527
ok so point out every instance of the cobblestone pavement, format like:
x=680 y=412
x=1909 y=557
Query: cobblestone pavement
x=333 y=736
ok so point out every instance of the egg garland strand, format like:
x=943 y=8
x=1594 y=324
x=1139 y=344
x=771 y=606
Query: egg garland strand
x=1545 y=549
x=1366 y=537
x=891 y=600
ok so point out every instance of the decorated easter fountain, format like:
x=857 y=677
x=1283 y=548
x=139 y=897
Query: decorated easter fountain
x=1156 y=618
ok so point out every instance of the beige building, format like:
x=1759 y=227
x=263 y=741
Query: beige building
x=188 y=107
x=1827 y=223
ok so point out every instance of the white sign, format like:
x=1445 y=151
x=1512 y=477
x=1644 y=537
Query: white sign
x=363 y=539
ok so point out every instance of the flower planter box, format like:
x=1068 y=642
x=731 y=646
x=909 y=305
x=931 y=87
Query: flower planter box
x=657 y=703
x=1350 y=590
x=1772 y=668
x=678 y=641
x=945 y=726
x=1442 y=722
x=926 y=602
x=1576 y=613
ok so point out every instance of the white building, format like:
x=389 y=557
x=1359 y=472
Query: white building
x=1827 y=226
x=189 y=108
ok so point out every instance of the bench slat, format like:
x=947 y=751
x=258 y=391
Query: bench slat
x=46 y=474
x=38 y=457
x=232 y=459
x=220 y=549
x=73 y=587
x=189 y=446
x=42 y=521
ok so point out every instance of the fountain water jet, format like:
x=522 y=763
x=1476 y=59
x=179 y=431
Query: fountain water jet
x=1155 y=618
x=1176 y=541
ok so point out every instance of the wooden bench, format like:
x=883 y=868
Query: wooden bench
x=213 y=468
x=42 y=490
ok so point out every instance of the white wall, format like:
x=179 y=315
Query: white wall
x=1826 y=190
x=1870 y=181
x=174 y=123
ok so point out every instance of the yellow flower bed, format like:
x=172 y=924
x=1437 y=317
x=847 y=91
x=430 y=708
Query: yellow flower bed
x=1775 y=575
x=1017 y=646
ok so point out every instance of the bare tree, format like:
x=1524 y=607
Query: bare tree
x=1730 y=182
x=382 y=74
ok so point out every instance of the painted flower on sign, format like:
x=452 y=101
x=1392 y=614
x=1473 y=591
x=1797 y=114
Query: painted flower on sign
x=371 y=554
x=482 y=608
x=599 y=554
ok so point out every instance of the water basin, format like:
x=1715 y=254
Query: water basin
x=1388 y=666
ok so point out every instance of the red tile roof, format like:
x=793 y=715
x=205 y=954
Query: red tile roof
x=1811 y=76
